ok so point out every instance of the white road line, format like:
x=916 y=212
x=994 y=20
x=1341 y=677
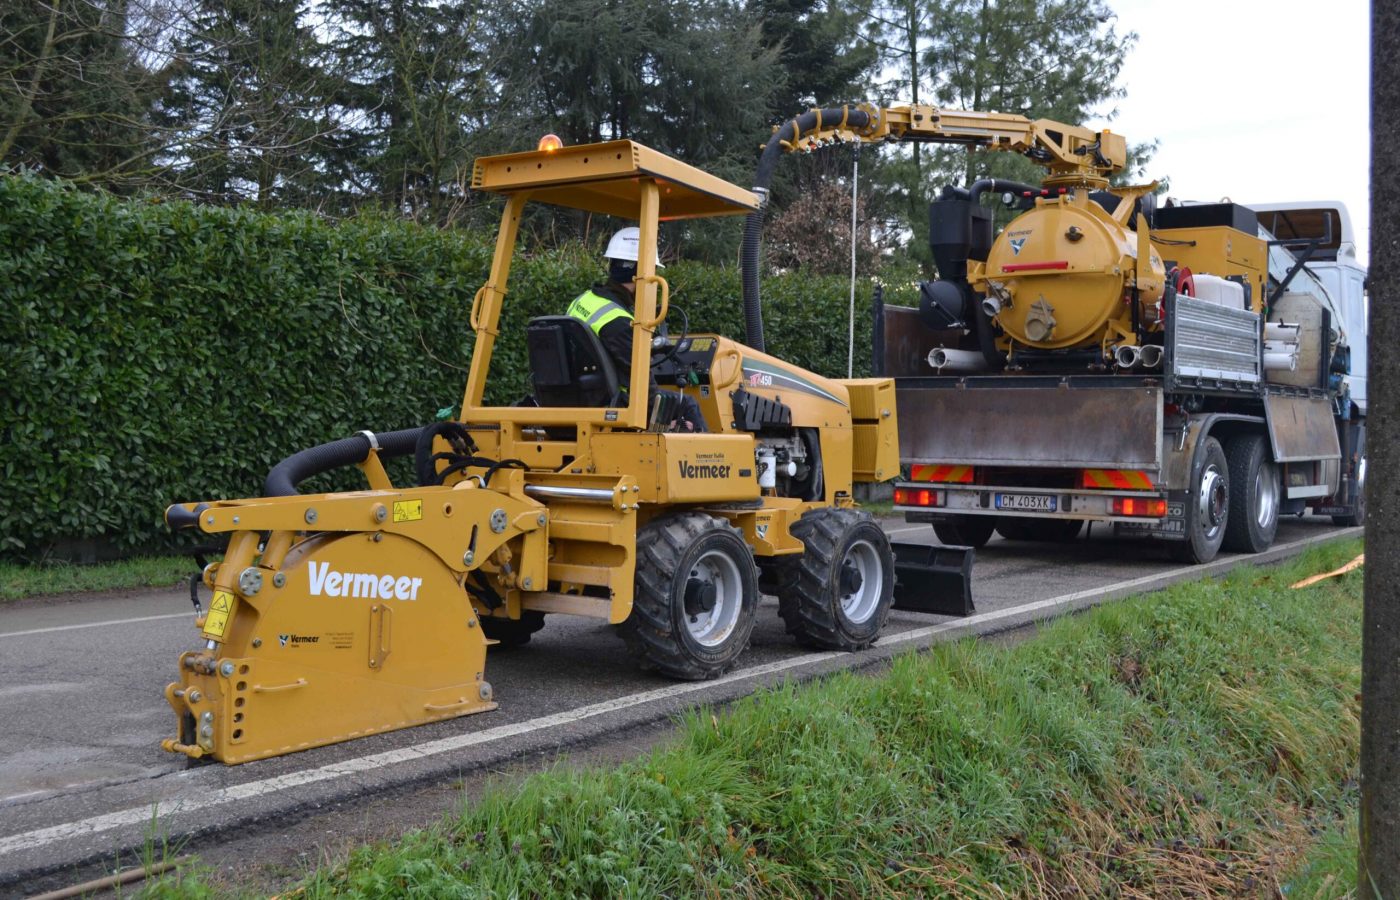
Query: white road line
x=166 y=808
x=183 y=615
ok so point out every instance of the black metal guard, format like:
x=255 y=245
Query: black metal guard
x=933 y=579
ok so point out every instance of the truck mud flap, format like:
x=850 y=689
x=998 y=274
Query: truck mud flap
x=933 y=579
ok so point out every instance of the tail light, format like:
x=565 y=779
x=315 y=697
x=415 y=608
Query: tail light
x=918 y=496
x=1152 y=508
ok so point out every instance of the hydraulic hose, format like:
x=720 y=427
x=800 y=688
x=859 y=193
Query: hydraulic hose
x=999 y=185
x=790 y=132
x=282 y=481
x=986 y=340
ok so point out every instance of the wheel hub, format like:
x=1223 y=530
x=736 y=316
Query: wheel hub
x=1213 y=498
x=699 y=596
x=850 y=578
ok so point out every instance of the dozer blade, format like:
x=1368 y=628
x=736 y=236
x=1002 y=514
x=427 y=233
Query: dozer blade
x=933 y=579
x=367 y=632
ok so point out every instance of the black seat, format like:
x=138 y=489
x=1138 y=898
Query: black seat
x=568 y=364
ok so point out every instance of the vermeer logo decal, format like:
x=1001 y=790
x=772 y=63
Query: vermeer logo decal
x=294 y=639
x=324 y=582
x=706 y=465
x=1016 y=245
x=691 y=470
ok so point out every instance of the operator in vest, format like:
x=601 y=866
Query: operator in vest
x=607 y=309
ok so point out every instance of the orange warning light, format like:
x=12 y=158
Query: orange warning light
x=549 y=143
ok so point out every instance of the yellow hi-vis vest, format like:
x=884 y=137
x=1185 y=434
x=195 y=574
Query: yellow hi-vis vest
x=596 y=311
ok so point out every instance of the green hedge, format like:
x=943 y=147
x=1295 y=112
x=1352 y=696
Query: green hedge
x=156 y=352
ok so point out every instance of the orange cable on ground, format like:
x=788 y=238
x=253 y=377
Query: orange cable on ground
x=1354 y=564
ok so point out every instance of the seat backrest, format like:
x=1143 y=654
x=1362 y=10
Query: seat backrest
x=568 y=364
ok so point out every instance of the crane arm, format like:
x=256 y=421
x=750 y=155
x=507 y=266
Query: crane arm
x=1072 y=155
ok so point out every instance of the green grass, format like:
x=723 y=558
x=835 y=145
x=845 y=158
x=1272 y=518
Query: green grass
x=1189 y=743
x=36 y=579
x=1328 y=870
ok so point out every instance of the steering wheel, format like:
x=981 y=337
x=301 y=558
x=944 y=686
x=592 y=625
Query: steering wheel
x=663 y=348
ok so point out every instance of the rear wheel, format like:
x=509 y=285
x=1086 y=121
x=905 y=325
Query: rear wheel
x=836 y=594
x=965 y=531
x=513 y=632
x=1255 y=495
x=1207 y=505
x=695 y=597
x=1053 y=531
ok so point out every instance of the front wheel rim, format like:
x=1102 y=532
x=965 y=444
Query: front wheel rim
x=860 y=603
x=712 y=628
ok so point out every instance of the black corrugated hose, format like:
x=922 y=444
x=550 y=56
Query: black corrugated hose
x=753 y=225
x=282 y=481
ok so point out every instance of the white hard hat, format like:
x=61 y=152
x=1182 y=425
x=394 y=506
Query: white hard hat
x=624 y=246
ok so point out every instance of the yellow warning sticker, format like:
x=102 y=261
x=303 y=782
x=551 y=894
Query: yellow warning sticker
x=216 y=622
x=408 y=510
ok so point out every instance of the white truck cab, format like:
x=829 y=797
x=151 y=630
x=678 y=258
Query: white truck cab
x=1331 y=269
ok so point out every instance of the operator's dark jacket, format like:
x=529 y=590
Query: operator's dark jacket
x=617 y=334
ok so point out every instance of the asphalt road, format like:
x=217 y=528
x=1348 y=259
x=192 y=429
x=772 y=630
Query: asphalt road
x=82 y=776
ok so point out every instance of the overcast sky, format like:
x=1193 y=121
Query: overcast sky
x=1254 y=100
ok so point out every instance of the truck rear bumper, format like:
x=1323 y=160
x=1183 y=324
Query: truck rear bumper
x=1025 y=502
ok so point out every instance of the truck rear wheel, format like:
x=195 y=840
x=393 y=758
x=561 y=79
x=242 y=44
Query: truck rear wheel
x=695 y=598
x=1053 y=531
x=965 y=531
x=836 y=594
x=1255 y=495
x=1207 y=505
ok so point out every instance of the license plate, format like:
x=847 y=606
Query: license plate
x=1026 y=502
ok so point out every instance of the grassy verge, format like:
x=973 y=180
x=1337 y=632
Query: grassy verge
x=1188 y=743
x=1328 y=869
x=18 y=581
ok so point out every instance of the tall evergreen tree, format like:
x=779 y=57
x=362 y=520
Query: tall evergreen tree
x=692 y=79
x=246 y=109
x=415 y=80
x=73 y=93
x=824 y=56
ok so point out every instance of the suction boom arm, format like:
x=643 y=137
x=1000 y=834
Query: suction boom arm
x=1072 y=154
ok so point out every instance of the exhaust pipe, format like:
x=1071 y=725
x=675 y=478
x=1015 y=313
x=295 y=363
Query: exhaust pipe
x=941 y=358
x=990 y=307
x=1151 y=356
x=1127 y=356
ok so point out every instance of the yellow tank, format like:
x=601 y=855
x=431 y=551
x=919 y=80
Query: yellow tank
x=1061 y=276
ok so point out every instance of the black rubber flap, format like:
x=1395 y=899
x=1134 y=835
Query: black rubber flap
x=933 y=579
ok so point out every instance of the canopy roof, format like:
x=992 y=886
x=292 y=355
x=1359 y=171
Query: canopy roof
x=605 y=178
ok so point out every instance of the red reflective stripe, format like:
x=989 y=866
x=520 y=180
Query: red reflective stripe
x=1118 y=478
x=1128 y=479
x=1021 y=267
x=957 y=474
x=1140 y=480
